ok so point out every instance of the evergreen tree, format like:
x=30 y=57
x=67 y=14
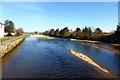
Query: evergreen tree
x=65 y=32
x=98 y=31
x=46 y=32
x=61 y=32
x=56 y=32
x=86 y=33
x=118 y=29
x=78 y=31
x=51 y=32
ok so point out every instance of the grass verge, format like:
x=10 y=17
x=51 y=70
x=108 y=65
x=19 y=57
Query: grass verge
x=45 y=38
x=7 y=38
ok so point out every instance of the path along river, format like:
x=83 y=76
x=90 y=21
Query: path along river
x=35 y=58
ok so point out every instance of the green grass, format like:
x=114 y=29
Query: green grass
x=7 y=38
x=45 y=38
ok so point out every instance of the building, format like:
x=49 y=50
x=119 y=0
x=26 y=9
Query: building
x=2 y=29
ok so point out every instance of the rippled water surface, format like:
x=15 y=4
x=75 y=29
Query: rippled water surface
x=51 y=59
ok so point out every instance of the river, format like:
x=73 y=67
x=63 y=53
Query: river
x=35 y=58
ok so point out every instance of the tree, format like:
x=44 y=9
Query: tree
x=46 y=32
x=86 y=33
x=61 y=32
x=51 y=32
x=97 y=34
x=36 y=32
x=19 y=31
x=73 y=34
x=65 y=32
x=9 y=26
x=78 y=31
x=56 y=32
x=98 y=31
x=118 y=29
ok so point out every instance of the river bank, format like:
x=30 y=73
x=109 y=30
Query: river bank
x=89 y=41
x=95 y=44
x=7 y=38
x=41 y=37
x=8 y=45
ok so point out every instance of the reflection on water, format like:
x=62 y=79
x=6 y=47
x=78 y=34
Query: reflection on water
x=50 y=59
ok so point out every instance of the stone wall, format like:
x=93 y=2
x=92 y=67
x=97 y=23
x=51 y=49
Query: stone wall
x=10 y=44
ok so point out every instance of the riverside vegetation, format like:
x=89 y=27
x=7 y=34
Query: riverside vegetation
x=41 y=37
x=9 y=29
x=45 y=38
x=87 y=34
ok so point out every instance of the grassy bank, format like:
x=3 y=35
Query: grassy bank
x=7 y=38
x=96 y=42
x=45 y=38
x=41 y=37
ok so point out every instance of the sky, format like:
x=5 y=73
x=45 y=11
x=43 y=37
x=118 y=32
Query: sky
x=42 y=16
x=59 y=0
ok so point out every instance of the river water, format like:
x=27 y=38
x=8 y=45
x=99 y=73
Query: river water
x=35 y=58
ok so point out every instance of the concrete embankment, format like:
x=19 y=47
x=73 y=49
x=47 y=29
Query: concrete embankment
x=88 y=60
x=8 y=45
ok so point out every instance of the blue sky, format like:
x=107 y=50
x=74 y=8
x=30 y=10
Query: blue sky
x=41 y=16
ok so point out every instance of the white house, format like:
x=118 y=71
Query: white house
x=1 y=29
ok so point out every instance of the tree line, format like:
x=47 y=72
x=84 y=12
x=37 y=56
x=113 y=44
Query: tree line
x=86 y=33
x=114 y=37
x=10 y=28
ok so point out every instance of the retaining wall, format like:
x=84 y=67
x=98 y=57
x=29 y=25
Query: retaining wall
x=8 y=45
